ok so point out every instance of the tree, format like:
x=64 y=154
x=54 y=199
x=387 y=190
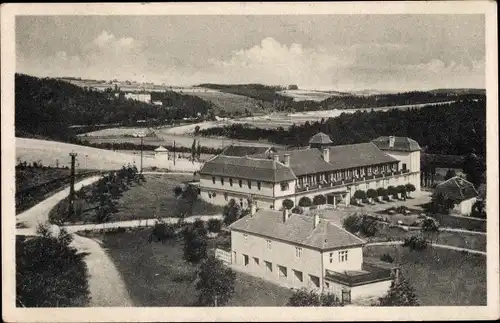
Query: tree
x=410 y=188
x=304 y=297
x=198 y=150
x=360 y=195
x=106 y=204
x=473 y=168
x=199 y=227
x=440 y=203
x=401 y=293
x=364 y=224
x=178 y=191
x=449 y=174
x=319 y=199
x=214 y=225
x=401 y=189
x=161 y=232
x=371 y=193
x=215 y=283
x=430 y=227
x=381 y=192
x=478 y=209
x=392 y=191
x=50 y=272
x=232 y=212
x=196 y=129
x=193 y=150
x=415 y=243
x=305 y=201
x=288 y=204
x=195 y=246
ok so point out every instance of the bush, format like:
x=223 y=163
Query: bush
x=360 y=195
x=401 y=189
x=391 y=190
x=363 y=224
x=381 y=192
x=305 y=202
x=415 y=243
x=400 y=294
x=297 y=210
x=371 y=193
x=387 y=258
x=303 y=297
x=319 y=199
x=386 y=198
x=199 y=227
x=410 y=188
x=161 y=232
x=195 y=246
x=287 y=203
x=214 y=225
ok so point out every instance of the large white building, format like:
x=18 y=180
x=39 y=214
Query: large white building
x=269 y=176
x=306 y=251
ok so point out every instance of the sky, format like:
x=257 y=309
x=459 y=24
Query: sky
x=328 y=52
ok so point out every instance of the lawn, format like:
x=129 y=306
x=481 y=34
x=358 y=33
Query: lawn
x=462 y=240
x=156 y=275
x=154 y=198
x=440 y=277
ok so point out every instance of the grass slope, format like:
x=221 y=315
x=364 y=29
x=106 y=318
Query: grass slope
x=440 y=277
x=156 y=275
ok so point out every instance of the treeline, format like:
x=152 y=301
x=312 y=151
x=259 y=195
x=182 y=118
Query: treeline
x=133 y=146
x=182 y=105
x=454 y=129
x=47 y=107
x=284 y=103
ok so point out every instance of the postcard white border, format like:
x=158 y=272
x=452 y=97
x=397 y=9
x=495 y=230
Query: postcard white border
x=149 y=314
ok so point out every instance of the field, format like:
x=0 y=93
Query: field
x=31 y=177
x=227 y=102
x=310 y=95
x=156 y=275
x=440 y=277
x=182 y=141
x=51 y=152
x=120 y=131
x=154 y=198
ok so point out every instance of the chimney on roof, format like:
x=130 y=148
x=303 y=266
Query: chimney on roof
x=286 y=214
x=326 y=154
x=392 y=139
x=276 y=157
x=287 y=159
x=316 y=220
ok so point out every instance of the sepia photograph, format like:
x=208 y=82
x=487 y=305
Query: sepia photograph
x=250 y=161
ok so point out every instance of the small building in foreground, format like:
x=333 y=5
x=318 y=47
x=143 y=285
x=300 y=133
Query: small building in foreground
x=304 y=251
x=461 y=192
x=161 y=152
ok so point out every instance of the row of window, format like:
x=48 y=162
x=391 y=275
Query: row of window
x=284 y=185
x=298 y=276
x=342 y=255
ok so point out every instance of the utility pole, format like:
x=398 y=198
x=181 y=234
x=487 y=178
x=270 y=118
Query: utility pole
x=142 y=142
x=72 y=184
x=174 y=152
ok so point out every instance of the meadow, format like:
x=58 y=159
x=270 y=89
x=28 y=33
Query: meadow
x=440 y=277
x=155 y=274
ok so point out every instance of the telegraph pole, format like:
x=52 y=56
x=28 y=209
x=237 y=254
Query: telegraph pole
x=142 y=142
x=72 y=184
x=174 y=152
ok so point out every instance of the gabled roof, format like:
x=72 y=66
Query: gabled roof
x=304 y=161
x=258 y=169
x=320 y=138
x=298 y=229
x=244 y=150
x=357 y=155
x=457 y=189
x=161 y=149
x=400 y=144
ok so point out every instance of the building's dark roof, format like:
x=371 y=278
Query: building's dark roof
x=320 y=138
x=457 y=189
x=298 y=229
x=266 y=170
x=357 y=155
x=241 y=151
x=303 y=161
x=400 y=144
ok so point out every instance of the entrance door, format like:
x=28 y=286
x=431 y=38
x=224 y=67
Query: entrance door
x=330 y=199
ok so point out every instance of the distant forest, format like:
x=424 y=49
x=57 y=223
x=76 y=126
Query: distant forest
x=46 y=107
x=456 y=129
x=345 y=101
